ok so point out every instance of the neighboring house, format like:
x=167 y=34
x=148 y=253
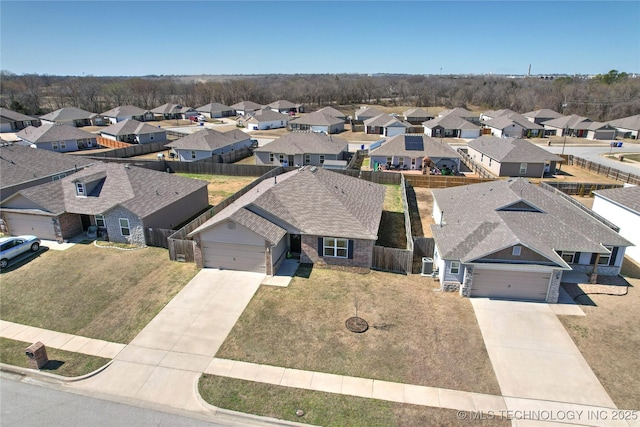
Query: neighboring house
x=123 y=201
x=10 y=121
x=23 y=167
x=386 y=125
x=285 y=107
x=127 y=112
x=572 y=125
x=325 y=217
x=57 y=137
x=173 y=112
x=409 y=152
x=208 y=143
x=621 y=206
x=317 y=122
x=216 y=110
x=462 y=113
x=512 y=157
x=243 y=108
x=542 y=115
x=627 y=127
x=73 y=116
x=416 y=116
x=364 y=113
x=599 y=130
x=451 y=127
x=266 y=119
x=512 y=239
x=494 y=114
x=513 y=125
x=330 y=111
x=134 y=132
x=300 y=149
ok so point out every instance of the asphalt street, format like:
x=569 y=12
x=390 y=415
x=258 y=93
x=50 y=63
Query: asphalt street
x=598 y=155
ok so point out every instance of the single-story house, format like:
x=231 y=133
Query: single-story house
x=23 y=167
x=542 y=115
x=451 y=127
x=208 y=143
x=124 y=202
x=621 y=206
x=494 y=114
x=10 y=121
x=572 y=125
x=243 y=108
x=386 y=125
x=317 y=122
x=416 y=116
x=266 y=119
x=462 y=113
x=408 y=151
x=363 y=113
x=627 y=127
x=173 y=112
x=599 y=130
x=127 y=112
x=323 y=216
x=302 y=148
x=134 y=132
x=512 y=157
x=57 y=137
x=513 y=125
x=72 y=116
x=512 y=239
x=285 y=107
x=216 y=110
x=330 y=111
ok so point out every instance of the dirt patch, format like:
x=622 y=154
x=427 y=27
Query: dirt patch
x=424 y=200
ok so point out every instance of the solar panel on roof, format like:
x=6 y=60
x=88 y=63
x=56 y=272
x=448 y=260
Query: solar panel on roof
x=413 y=142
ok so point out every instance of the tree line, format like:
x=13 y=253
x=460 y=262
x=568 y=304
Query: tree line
x=603 y=97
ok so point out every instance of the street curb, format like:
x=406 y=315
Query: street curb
x=28 y=372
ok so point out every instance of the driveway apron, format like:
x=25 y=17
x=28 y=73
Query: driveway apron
x=533 y=356
x=163 y=363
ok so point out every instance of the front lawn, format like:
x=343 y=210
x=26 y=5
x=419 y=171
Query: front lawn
x=221 y=186
x=101 y=293
x=416 y=336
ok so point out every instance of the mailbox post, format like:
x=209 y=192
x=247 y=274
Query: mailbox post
x=36 y=355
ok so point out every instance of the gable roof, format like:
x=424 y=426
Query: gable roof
x=567 y=122
x=512 y=150
x=313 y=201
x=20 y=164
x=171 y=109
x=476 y=222
x=416 y=112
x=330 y=111
x=208 y=140
x=7 y=115
x=506 y=120
x=631 y=122
x=246 y=106
x=141 y=191
x=267 y=116
x=281 y=103
x=214 y=106
x=125 y=111
x=53 y=132
x=130 y=127
x=68 y=113
x=543 y=113
x=305 y=143
x=450 y=122
x=598 y=126
x=498 y=113
x=385 y=120
x=367 y=112
x=415 y=145
x=628 y=197
x=458 y=112
x=317 y=118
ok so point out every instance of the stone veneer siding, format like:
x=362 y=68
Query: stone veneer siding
x=362 y=253
x=605 y=270
x=554 y=287
x=136 y=229
x=467 y=282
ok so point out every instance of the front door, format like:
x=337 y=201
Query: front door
x=86 y=222
x=296 y=243
x=291 y=161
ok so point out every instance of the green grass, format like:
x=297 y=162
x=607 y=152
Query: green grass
x=61 y=362
x=393 y=199
x=100 y=293
x=321 y=408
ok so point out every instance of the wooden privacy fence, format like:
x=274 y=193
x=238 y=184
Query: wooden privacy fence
x=607 y=171
x=392 y=259
x=442 y=181
x=423 y=246
x=110 y=143
x=134 y=150
x=210 y=168
x=158 y=237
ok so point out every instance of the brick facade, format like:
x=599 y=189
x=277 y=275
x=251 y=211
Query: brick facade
x=68 y=225
x=362 y=253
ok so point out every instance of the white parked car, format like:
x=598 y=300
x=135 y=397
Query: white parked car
x=11 y=247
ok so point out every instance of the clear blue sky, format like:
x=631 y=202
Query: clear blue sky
x=239 y=37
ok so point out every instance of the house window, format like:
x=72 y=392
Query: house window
x=193 y=154
x=605 y=258
x=516 y=250
x=281 y=158
x=271 y=158
x=321 y=159
x=54 y=145
x=58 y=177
x=454 y=268
x=401 y=161
x=523 y=168
x=99 y=220
x=389 y=160
x=124 y=226
x=63 y=145
x=307 y=159
x=413 y=163
x=336 y=248
x=568 y=256
x=80 y=190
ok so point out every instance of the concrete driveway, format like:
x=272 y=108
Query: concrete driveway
x=533 y=356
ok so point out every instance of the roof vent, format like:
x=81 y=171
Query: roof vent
x=313 y=169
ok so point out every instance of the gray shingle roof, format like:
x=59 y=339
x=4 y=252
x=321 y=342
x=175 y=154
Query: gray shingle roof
x=543 y=113
x=512 y=150
x=141 y=191
x=305 y=143
x=171 y=109
x=416 y=112
x=281 y=103
x=209 y=140
x=246 y=106
x=268 y=116
x=53 y=132
x=125 y=111
x=427 y=146
x=332 y=112
x=629 y=197
x=569 y=122
x=68 y=113
x=367 y=112
x=450 y=122
x=631 y=122
x=498 y=113
x=317 y=119
x=458 y=112
x=506 y=120
x=385 y=120
x=130 y=127
x=214 y=107
x=476 y=222
x=8 y=115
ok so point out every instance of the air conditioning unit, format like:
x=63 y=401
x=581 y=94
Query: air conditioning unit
x=427 y=266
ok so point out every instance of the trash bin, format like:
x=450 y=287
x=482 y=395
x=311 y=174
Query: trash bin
x=619 y=144
x=36 y=355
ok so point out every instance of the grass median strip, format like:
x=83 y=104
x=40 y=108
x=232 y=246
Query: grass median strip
x=65 y=363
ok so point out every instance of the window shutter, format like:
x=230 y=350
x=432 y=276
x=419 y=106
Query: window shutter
x=593 y=258
x=350 y=253
x=614 y=255
x=320 y=249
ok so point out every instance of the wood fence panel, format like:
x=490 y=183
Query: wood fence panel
x=181 y=250
x=158 y=237
x=442 y=181
x=392 y=259
x=607 y=171
x=423 y=246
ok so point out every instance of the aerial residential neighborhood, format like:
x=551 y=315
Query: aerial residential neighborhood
x=306 y=213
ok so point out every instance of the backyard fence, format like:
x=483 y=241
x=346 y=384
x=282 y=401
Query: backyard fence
x=442 y=181
x=133 y=150
x=110 y=143
x=607 y=171
x=468 y=161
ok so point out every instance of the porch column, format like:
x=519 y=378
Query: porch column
x=594 y=275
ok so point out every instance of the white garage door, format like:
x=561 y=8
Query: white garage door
x=234 y=257
x=40 y=226
x=510 y=284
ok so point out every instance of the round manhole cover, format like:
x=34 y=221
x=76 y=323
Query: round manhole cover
x=357 y=324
